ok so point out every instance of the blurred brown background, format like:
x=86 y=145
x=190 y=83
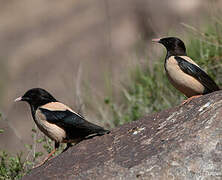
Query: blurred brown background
x=58 y=45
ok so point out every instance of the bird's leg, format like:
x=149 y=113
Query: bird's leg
x=50 y=154
x=189 y=99
x=68 y=145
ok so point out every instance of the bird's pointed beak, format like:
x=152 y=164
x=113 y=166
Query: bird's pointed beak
x=156 y=40
x=18 y=99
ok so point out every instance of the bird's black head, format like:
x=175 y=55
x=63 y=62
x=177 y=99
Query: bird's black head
x=174 y=46
x=37 y=97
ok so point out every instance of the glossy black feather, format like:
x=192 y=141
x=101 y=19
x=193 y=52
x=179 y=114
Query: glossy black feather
x=65 y=118
x=74 y=125
x=198 y=74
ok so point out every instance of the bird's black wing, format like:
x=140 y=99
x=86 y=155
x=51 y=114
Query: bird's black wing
x=75 y=125
x=63 y=117
x=198 y=74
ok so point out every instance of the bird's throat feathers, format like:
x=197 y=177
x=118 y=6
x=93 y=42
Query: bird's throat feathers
x=175 y=52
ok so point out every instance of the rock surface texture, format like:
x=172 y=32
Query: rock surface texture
x=183 y=142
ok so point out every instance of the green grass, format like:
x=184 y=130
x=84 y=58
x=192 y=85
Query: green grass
x=15 y=166
x=11 y=167
x=148 y=92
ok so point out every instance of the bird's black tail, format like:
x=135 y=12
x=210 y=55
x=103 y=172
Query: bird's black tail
x=99 y=133
x=103 y=132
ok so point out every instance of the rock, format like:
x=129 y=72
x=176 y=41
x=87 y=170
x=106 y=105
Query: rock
x=183 y=142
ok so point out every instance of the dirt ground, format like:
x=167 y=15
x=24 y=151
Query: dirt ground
x=59 y=45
